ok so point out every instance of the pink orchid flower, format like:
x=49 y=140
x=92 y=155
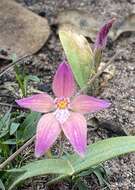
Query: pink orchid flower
x=65 y=115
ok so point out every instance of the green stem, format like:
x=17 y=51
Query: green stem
x=19 y=80
x=49 y=154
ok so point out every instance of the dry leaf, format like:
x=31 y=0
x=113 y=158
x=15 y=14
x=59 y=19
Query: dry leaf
x=126 y=25
x=84 y=23
x=107 y=75
x=21 y=31
x=110 y=70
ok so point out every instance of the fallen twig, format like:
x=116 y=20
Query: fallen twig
x=10 y=105
x=10 y=66
x=13 y=156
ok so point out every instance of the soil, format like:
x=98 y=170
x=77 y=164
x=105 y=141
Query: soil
x=120 y=90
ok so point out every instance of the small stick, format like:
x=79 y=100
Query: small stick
x=9 y=67
x=10 y=105
x=16 y=153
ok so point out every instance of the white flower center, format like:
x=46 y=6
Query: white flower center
x=62 y=113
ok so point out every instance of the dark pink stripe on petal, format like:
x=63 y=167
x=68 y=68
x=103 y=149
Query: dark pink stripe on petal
x=39 y=102
x=48 y=130
x=75 y=129
x=88 y=104
x=63 y=83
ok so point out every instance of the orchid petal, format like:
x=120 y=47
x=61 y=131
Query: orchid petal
x=101 y=38
x=48 y=130
x=75 y=129
x=63 y=83
x=39 y=102
x=62 y=115
x=86 y=104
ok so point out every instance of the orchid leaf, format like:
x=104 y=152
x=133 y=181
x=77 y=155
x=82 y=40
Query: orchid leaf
x=42 y=167
x=78 y=53
x=97 y=153
x=104 y=150
x=100 y=152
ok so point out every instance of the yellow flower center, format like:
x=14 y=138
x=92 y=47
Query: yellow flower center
x=62 y=103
